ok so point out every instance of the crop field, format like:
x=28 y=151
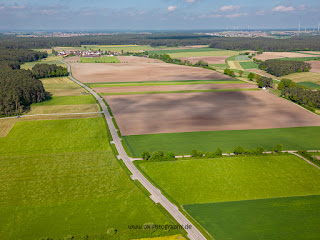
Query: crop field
x=175 y=88
x=303 y=59
x=220 y=65
x=242 y=58
x=133 y=59
x=122 y=72
x=280 y=218
x=119 y=48
x=304 y=77
x=211 y=111
x=174 y=237
x=275 y=55
x=79 y=108
x=315 y=66
x=48 y=60
x=67 y=100
x=234 y=178
x=291 y=138
x=62 y=86
x=311 y=85
x=193 y=50
x=248 y=65
x=66 y=181
x=217 y=53
x=5 y=127
x=211 y=60
x=99 y=60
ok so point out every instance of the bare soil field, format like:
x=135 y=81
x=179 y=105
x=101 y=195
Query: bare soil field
x=132 y=59
x=174 y=87
x=315 y=66
x=214 y=111
x=72 y=59
x=121 y=72
x=210 y=60
x=274 y=55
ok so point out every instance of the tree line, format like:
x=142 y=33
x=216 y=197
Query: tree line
x=48 y=70
x=280 y=67
x=299 y=94
x=167 y=39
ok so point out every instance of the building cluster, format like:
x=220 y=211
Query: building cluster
x=88 y=53
x=239 y=34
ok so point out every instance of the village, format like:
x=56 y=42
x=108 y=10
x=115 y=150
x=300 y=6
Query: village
x=88 y=53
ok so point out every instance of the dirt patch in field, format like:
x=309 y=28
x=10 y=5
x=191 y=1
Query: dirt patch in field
x=261 y=72
x=122 y=72
x=210 y=60
x=214 y=111
x=174 y=87
x=315 y=66
x=72 y=59
x=132 y=59
x=274 y=55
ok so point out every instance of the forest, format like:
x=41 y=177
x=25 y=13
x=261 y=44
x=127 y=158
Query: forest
x=18 y=89
x=48 y=70
x=169 y=39
x=299 y=94
x=280 y=68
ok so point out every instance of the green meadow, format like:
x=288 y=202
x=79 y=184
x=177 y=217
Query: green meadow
x=280 y=218
x=60 y=179
x=67 y=100
x=311 y=85
x=290 y=138
x=99 y=60
x=234 y=178
x=248 y=65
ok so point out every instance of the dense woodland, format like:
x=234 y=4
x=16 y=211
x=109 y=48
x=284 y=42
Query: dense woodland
x=265 y=44
x=301 y=95
x=280 y=67
x=48 y=70
x=18 y=89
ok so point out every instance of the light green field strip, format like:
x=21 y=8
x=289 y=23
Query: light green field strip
x=48 y=60
x=97 y=85
x=203 y=54
x=50 y=109
x=67 y=100
x=193 y=50
x=280 y=218
x=301 y=59
x=234 y=178
x=99 y=60
x=248 y=65
x=290 y=138
x=184 y=91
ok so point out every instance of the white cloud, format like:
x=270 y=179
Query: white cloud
x=229 y=8
x=172 y=8
x=210 y=16
x=190 y=1
x=18 y=7
x=235 y=15
x=261 y=12
x=282 y=8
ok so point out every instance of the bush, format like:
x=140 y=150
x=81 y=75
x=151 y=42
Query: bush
x=209 y=155
x=169 y=156
x=157 y=156
x=218 y=152
x=238 y=150
x=227 y=71
x=145 y=155
x=251 y=76
x=196 y=154
x=278 y=148
x=240 y=73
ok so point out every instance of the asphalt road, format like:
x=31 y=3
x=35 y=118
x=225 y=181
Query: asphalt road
x=156 y=195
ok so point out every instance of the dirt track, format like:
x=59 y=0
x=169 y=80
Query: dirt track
x=193 y=112
x=210 y=60
x=315 y=66
x=122 y=72
x=174 y=87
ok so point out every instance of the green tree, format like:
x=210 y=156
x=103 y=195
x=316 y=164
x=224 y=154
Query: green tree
x=145 y=155
x=196 y=154
x=251 y=76
x=169 y=156
x=218 y=152
x=278 y=148
x=280 y=86
x=238 y=150
x=240 y=73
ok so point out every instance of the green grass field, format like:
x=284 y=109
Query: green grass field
x=204 y=53
x=242 y=58
x=193 y=50
x=183 y=91
x=310 y=85
x=158 y=83
x=119 y=48
x=60 y=178
x=67 y=100
x=219 y=65
x=49 y=60
x=248 y=65
x=234 y=178
x=303 y=59
x=291 y=138
x=281 y=218
x=99 y=60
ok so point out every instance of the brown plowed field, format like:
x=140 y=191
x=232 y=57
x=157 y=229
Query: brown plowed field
x=122 y=72
x=315 y=66
x=132 y=59
x=174 y=87
x=210 y=60
x=193 y=112
x=274 y=55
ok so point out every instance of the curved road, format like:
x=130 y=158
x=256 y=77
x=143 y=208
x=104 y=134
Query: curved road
x=156 y=195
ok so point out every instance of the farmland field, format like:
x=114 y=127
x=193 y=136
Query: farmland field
x=76 y=108
x=315 y=66
x=310 y=85
x=211 y=111
x=48 y=60
x=67 y=100
x=248 y=65
x=303 y=59
x=66 y=181
x=291 y=138
x=118 y=48
x=234 y=178
x=304 y=77
x=242 y=58
x=99 y=60
x=217 y=53
x=280 y=218
x=276 y=55
x=193 y=50
x=122 y=72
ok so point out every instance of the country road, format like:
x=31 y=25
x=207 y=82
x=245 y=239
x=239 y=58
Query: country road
x=156 y=195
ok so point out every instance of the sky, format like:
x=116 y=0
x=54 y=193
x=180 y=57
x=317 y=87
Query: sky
x=157 y=14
